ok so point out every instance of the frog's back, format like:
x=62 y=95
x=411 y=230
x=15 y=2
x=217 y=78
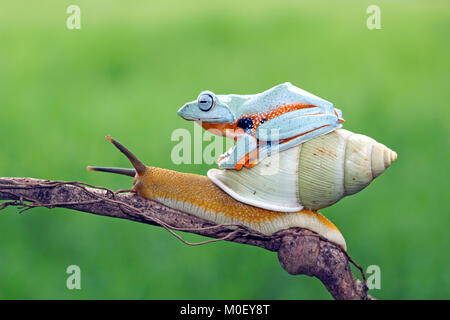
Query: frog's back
x=280 y=95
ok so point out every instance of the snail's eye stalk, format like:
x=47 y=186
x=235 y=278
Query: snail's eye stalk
x=137 y=164
x=124 y=171
x=206 y=101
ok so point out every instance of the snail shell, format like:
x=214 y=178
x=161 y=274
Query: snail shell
x=312 y=175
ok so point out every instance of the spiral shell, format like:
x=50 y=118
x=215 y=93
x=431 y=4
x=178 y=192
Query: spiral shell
x=312 y=175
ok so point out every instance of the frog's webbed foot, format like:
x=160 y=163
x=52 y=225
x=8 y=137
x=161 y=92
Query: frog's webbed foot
x=244 y=153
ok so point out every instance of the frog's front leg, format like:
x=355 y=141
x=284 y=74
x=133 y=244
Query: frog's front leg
x=244 y=153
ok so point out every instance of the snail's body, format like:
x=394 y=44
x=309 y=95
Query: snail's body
x=199 y=196
x=307 y=177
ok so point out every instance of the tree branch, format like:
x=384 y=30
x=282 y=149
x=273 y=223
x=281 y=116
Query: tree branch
x=300 y=251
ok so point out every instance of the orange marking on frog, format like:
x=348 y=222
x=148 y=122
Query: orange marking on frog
x=231 y=129
x=258 y=118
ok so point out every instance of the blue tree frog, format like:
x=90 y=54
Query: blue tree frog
x=271 y=121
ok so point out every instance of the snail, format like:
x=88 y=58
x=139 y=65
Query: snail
x=307 y=177
x=268 y=183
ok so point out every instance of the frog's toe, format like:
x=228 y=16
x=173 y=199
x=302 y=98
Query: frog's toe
x=226 y=163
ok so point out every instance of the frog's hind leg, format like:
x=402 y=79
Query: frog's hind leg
x=270 y=148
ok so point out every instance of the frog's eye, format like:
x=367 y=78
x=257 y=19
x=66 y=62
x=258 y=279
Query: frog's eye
x=205 y=101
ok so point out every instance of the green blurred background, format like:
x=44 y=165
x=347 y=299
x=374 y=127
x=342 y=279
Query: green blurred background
x=132 y=65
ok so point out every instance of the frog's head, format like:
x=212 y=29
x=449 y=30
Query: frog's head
x=208 y=108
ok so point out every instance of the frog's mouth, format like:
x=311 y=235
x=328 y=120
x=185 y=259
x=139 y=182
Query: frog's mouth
x=202 y=119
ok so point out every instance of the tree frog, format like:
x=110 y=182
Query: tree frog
x=271 y=121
